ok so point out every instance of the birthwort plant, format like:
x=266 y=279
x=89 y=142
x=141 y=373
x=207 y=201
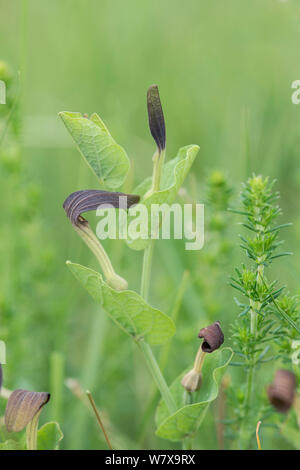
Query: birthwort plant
x=180 y=412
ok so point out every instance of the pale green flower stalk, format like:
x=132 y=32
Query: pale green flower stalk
x=157 y=128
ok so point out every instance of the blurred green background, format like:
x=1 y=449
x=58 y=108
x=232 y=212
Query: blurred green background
x=224 y=71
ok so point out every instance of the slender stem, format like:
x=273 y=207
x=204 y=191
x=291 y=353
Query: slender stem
x=250 y=374
x=93 y=358
x=257 y=435
x=157 y=376
x=157 y=169
x=145 y=284
x=93 y=404
x=163 y=357
x=249 y=385
x=31 y=432
x=187 y=443
x=146 y=272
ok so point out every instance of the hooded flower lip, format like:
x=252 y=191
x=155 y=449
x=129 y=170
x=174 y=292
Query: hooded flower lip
x=282 y=391
x=156 y=117
x=21 y=408
x=90 y=199
x=213 y=337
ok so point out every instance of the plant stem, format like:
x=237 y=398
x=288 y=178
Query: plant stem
x=163 y=357
x=146 y=272
x=93 y=404
x=249 y=387
x=158 y=159
x=31 y=432
x=187 y=443
x=157 y=376
x=93 y=358
x=145 y=284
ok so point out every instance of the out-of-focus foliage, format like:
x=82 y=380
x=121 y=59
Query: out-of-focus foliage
x=224 y=75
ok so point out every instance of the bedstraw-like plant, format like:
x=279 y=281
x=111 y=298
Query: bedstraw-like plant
x=268 y=321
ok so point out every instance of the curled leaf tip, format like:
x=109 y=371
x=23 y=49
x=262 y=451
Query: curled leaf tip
x=212 y=337
x=282 y=391
x=21 y=408
x=156 y=117
x=90 y=199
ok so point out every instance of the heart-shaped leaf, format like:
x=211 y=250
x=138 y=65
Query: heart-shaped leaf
x=106 y=158
x=290 y=430
x=188 y=418
x=126 y=308
x=49 y=436
x=173 y=175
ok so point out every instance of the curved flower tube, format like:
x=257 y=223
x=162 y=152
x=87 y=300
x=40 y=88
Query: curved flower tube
x=89 y=200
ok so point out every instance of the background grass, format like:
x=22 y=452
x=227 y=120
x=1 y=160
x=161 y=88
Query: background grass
x=224 y=71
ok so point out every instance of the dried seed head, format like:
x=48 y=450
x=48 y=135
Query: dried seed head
x=90 y=199
x=282 y=391
x=213 y=337
x=192 y=381
x=156 y=117
x=21 y=408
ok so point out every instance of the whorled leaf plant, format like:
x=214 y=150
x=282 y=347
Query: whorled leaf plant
x=269 y=321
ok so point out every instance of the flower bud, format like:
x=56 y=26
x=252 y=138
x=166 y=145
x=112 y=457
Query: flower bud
x=213 y=337
x=282 y=391
x=156 y=118
x=21 y=408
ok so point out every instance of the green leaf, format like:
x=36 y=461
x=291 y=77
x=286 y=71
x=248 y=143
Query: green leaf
x=106 y=158
x=290 y=430
x=173 y=175
x=188 y=418
x=126 y=308
x=10 y=444
x=49 y=436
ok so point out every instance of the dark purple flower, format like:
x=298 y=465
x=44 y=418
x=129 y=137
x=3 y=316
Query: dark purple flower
x=90 y=199
x=212 y=337
x=156 y=117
